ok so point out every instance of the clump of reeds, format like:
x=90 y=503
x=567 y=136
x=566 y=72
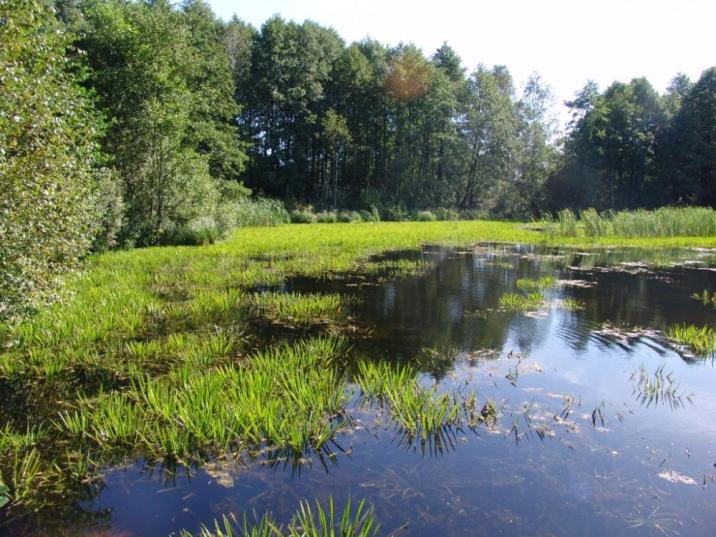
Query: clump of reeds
x=700 y=340
x=311 y=520
x=521 y=302
x=663 y=222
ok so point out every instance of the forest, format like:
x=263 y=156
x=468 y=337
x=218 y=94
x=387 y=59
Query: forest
x=128 y=123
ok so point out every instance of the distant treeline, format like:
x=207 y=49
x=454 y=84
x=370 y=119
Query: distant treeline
x=134 y=123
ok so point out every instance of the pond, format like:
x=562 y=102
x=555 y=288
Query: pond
x=603 y=427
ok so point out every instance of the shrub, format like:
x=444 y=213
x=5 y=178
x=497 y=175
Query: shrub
x=302 y=216
x=397 y=213
x=47 y=152
x=443 y=213
x=425 y=216
x=349 y=217
x=326 y=217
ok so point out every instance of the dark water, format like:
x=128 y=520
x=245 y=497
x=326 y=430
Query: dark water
x=577 y=449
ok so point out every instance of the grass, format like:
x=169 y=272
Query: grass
x=535 y=285
x=705 y=298
x=419 y=411
x=311 y=520
x=663 y=222
x=298 y=308
x=699 y=340
x=521 y=302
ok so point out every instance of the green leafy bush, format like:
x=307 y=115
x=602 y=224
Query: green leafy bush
x=425 y=216
x=47 y=152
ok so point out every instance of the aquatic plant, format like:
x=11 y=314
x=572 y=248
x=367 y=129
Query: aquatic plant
x=705 y=298
x=295 y=307
x=570 y=304
x=520 y=302
x=657 y=388
x=533 y=285
x=418 y=410
x=701 y=341
x=311 y=520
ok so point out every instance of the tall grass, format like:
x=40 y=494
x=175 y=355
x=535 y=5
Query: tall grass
x=251 y=212
x=663 y=222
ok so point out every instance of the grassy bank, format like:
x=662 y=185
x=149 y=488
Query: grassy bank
x=163 y=352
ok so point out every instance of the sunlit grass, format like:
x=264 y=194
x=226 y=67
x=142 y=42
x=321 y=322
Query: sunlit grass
x=311 y=520
x=298 y=308
x=700 y=340
x=535 y=285
x=418 y=410
x=521 y=302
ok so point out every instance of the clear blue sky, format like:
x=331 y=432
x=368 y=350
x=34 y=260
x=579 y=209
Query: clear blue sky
x=566 y=41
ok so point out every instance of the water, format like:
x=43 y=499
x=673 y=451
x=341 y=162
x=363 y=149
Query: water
x=579 y=449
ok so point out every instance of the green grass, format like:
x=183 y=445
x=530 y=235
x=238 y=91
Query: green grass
x=534 y=285
x=521 y=302
x=298 y=308
x=705 y=298
x=699 y=340
x=311 y=520
x=663 y=222
x=419 y=411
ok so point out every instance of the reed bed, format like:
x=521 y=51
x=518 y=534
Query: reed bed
x=663 y=222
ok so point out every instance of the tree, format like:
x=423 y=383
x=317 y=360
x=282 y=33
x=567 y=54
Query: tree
x=689 y=148
x=47 y=152
x=164 y=86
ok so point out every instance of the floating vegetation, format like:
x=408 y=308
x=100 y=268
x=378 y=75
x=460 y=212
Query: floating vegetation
x=701 y=341
x=532 y=285
x=569 y=304
x=311 y=520
x=705 y=298
x=657 y=388
x=520 y=302
x=624 y=335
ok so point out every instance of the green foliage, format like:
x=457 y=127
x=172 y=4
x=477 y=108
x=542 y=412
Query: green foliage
x=309 y=521
x=521 y=302
x=425 y=216
x=701 y=341
x=302 y=216
x=664 y=222
x=47 y=150
x=164 y=85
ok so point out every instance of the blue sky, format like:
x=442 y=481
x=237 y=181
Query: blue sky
x=566 y=41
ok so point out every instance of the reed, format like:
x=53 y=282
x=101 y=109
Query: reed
x=310 y=520
x=700 y=340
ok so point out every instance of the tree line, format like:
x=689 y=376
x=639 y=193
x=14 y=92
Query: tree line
x=130 y=123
